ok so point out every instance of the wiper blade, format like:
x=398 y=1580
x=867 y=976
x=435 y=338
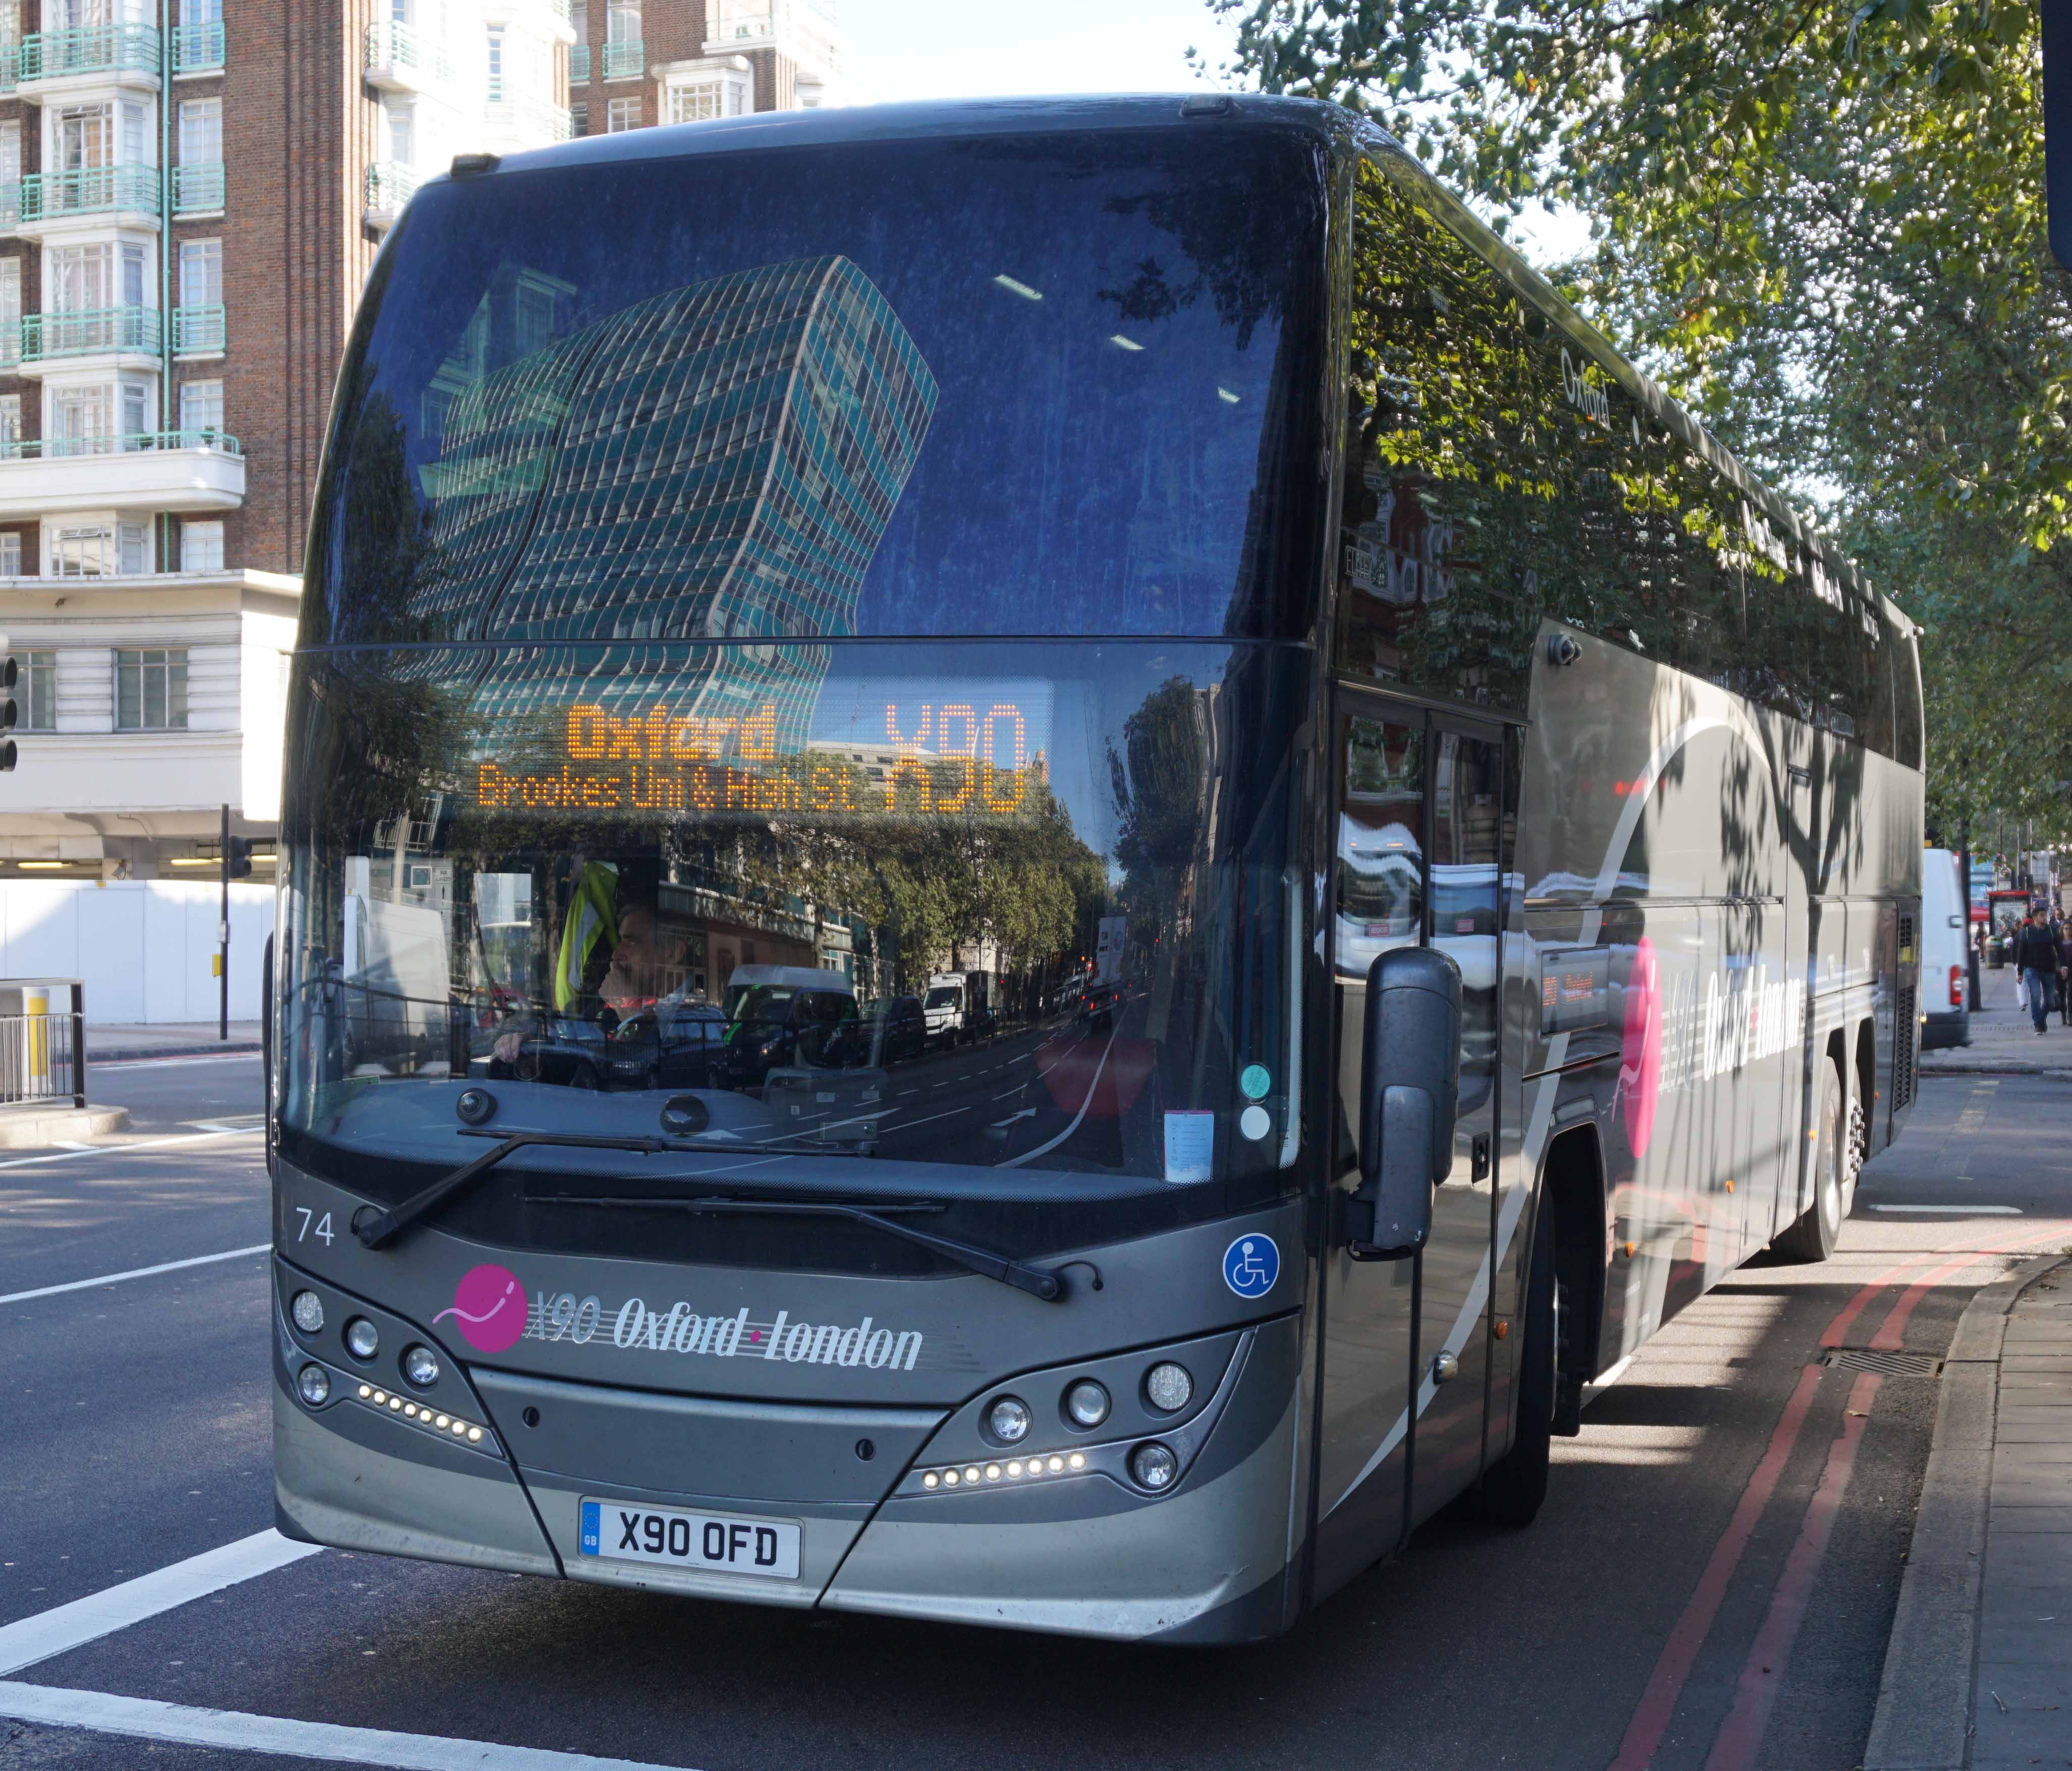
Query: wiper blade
x=377 y=1228
x=1037 y=1281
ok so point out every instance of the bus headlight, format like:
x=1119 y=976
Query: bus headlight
x=1168 y=1386
x=1008 y=1419
x=421 y=1365
x=361 y=1341
x=1087 y=1404
x=307 y=1310
x=1153 y=1466
x=315 y=1385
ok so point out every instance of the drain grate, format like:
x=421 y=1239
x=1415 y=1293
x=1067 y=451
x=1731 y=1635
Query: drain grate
x=1890 y=1365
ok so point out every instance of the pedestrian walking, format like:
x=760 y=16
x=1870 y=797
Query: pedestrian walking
x=2065 y=973
x=2036 y=966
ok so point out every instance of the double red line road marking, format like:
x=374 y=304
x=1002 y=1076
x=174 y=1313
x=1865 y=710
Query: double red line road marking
x=1762 y=1674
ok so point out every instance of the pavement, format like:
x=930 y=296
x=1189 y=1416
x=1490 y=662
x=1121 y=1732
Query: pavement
x=1712 y=1586
x=116 y=1041
x=2003 y=1042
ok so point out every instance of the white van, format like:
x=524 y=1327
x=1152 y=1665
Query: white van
x=1944 y=959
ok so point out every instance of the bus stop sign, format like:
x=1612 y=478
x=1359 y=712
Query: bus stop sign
x=2057 y=18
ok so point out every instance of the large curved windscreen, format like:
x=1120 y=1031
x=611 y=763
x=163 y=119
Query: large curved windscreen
x=1060 y=384
x=1009 y=924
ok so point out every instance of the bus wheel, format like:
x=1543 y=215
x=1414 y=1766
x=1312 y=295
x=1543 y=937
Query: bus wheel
x=1514 y=1487
x=1813 y=1236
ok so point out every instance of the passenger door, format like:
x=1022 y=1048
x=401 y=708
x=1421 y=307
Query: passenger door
x=1417 y=813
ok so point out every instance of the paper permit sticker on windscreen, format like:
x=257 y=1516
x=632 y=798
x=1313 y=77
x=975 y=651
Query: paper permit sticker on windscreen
x=1190 y=1146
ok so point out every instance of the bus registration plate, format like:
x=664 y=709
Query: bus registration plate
x=716 y=1542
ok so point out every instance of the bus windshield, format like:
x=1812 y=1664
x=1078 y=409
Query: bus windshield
x=530 y=889
x=1057 y=384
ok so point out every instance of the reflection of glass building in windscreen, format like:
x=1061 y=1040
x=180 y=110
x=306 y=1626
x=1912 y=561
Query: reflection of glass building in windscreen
x=716 y=462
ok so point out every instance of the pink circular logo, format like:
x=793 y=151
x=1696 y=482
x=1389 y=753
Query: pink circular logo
x=1640 y=1052
x=489 y=1304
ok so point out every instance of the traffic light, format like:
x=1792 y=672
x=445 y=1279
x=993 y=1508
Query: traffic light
x=237 y=858
x=8 y=713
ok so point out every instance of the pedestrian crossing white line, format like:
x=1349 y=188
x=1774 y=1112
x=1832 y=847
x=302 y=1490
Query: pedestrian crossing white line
x=64 y=1627
x=144 y=1719
x=134 y=1272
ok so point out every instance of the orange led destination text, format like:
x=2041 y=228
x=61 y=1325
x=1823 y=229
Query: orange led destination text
x=954 y=760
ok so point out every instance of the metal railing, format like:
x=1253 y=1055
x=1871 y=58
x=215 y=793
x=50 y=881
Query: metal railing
x=528 y=116
x=53 y=448
x=90 y=190
x=623 y=58
x=10 y=66
x=579 y=65
x=392 y=44
x=199 y=332
x=89 y=331
x=198 y=49
x=97 y=49
x=42 y=1046
x=198 y=188
x=389 y=186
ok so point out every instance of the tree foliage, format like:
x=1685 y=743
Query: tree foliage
x=1822 y=225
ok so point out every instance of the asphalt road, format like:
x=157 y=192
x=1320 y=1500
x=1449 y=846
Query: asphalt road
x=1682 y=1602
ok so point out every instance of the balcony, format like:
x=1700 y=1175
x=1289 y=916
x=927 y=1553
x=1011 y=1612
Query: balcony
x=801 y=29
x=579 y=65
x=198 y=189
x=186 y=471
x=388 y=188
x=398 y=60
x=96 y=331
x=198 y=49
x=49 y=197
x=97 y=51
x=525 y=122
x=199 y=332
x=626 y=61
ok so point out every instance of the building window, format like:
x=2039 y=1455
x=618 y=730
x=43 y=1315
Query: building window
x=579 y=119
x=10 y=153
x=81 y=134
x=79 y=419
x=151 y=690
x=132 y=548
x=201 y=131
x=201 y=547
x=622 y=22
x=625 y=115
x=496 y=66
x=136 y=399
x=135 y=137
x=201 y=273
x=201 y=12
x=133 y=275
x=43 y=708
x=83 y=552
x=10 y=426
x=696 y=101
x=10 y=555
x=402 y=135
x=201 y=406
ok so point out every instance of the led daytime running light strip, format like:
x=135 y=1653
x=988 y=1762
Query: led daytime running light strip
x=422 y=1415
x=1012 y=1470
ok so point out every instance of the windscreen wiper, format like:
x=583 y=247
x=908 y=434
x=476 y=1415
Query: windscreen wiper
x=377 y=1228
x=1037 y=1281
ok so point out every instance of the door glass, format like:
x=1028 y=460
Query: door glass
x=1381 y=879
x=1467 y=838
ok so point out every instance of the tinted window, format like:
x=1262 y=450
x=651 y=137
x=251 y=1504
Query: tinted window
x=1052 y=385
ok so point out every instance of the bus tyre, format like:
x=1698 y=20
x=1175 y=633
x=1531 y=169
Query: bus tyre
x=1514 y=1487
x=1813 y=1236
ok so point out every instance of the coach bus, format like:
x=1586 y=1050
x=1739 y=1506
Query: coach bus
x=1444 y=840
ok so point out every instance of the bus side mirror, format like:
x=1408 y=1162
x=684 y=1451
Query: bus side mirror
x=1410 y=1088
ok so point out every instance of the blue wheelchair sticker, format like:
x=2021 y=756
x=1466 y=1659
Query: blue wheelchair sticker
x=1251 y=1265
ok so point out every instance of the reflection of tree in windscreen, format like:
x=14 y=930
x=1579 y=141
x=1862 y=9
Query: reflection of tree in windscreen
x=384 y=533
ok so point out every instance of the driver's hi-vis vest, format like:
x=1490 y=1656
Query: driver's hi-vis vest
x=592 y=922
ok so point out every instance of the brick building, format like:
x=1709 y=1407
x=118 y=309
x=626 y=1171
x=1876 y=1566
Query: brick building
x=191 y=195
